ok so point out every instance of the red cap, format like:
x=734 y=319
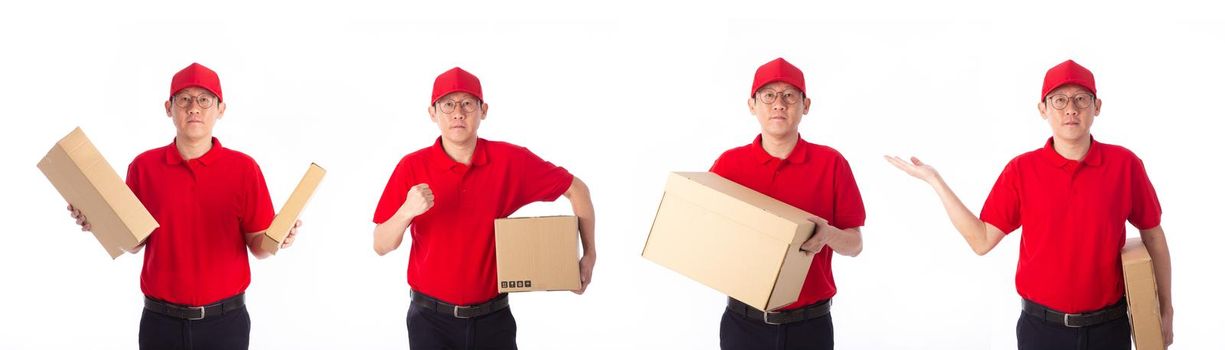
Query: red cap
x=778 y=70
x=196 y=75
x=454 y=80
x=1066 y=73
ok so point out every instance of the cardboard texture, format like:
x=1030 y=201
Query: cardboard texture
x=1142 y=304
x=84 y=178
x=537 y=253
x=284 y=220
x=731 y=238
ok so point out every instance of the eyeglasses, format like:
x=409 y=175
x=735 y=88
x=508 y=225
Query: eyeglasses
x=769 y=96
x=1060 y=101
x=468 y=105
x=205 y=101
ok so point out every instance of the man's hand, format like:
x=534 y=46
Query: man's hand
x=822 y=235
x=76 y=214
x=293 y=232
x=420 y=198
x=585 y=267
x=915 y=168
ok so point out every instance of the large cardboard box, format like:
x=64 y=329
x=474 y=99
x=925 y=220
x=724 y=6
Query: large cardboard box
x=537 y=253
x=83 y=177
x=284 y=220
x=731 y=238
x=1142 y=303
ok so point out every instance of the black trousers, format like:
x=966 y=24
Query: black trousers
x=431 y=330
x=740 y=333
x=231 y=330
x=1036 y=334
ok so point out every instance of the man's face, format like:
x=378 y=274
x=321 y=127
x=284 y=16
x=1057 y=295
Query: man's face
x=458 y=115
x=194 y=111
x=1070 y=110
x=779 y=107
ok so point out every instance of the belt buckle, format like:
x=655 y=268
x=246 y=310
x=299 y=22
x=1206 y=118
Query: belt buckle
x=201 y=308
x=1065 y=321
x=765 y=317
x=455 y=311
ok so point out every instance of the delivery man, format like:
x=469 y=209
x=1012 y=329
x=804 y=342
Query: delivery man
x=212 y=205
x=811 y=177
x=1072 y=196
x=449 y=194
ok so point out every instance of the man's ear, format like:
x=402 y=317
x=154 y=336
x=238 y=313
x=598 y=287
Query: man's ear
x=220 y=109
x=751 y=101
x=432 y=111
x=807 y=104
x=168 y=109
x=1097 y=106
x=1042 y=109
x=484 y=110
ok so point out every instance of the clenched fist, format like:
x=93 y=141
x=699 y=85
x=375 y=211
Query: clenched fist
x=420 y=198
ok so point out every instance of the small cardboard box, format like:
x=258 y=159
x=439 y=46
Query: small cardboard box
x=731 y=238
x=1142 y=303
x=84 y=178
x=537 y=253
x=284 y=220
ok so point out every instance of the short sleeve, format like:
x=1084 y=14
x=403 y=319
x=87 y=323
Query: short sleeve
x=257 y=212
x=395 y=193
x=1145 y=209
x=539 y=180
x=848 y=204
x=1003 y=206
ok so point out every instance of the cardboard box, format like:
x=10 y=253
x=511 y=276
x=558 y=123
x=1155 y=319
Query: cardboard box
x=537 y=253
x=1142 y=303
x=731 y=238
x=284 y=220
x=83 y=177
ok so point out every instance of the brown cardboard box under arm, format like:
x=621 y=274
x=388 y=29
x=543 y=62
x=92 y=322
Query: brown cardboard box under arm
x=731 y=238
x=284 y=220
x=83 y=177
x=1142 y=303
x=537 y=253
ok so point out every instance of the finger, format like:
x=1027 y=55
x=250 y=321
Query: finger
x=897 y=163
x=916 y=161
x=81 y=221
x=296 y=224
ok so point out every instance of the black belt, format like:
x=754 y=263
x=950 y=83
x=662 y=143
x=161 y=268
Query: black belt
x=1110 y=313
x=195 y=312
x=816 y=310
x=461 y=311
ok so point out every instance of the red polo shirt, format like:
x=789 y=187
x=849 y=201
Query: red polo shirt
x=452 y=256
x=205 y=207
x=1073 y=214
x=814 y=178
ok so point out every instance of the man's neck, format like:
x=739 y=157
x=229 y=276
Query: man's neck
x=192 y=149
x=1073 y=149
x=460 y=152
x=779 y=147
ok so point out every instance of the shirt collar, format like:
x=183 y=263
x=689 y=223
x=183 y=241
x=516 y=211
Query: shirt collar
x=1092 y=158
x=798 y=155
x=444 y=161
x=174 y=158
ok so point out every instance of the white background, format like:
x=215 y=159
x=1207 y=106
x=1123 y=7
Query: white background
x=620 y=94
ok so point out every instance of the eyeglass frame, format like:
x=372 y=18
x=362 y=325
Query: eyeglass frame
x=800 y=99
x=195 y=99
x=475 y=106
x=1072 y=101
